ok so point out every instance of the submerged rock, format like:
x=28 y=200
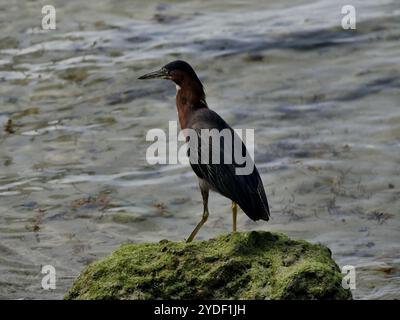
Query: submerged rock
x=248 y=265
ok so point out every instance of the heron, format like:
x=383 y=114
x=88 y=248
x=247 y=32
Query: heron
x=244 y=190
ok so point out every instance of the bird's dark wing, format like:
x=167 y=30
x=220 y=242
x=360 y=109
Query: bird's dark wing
x=246 y=190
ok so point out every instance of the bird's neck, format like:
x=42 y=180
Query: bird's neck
x=190 y=97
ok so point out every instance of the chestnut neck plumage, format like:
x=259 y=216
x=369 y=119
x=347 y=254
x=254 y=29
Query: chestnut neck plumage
x=190 y=97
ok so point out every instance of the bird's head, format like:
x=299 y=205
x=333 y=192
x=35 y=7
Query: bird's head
x=178 y=71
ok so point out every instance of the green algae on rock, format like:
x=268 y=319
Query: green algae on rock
x=248 y=265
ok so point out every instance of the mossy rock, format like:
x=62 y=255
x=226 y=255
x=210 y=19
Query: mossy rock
x=248 y=265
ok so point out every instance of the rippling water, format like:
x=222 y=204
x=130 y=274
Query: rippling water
x=324 y=102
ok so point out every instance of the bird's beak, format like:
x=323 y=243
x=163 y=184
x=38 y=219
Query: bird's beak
x=159 y=74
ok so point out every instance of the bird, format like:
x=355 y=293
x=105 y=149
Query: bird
x=244 y=190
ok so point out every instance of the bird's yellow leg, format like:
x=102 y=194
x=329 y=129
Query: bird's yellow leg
x=204 y=193
x=198 y=227
x=234 y=216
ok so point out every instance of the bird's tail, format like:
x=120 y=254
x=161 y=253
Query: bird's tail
x=264 y=203
x=256 y=208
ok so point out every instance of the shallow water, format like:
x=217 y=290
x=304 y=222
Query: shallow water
x=324 y=103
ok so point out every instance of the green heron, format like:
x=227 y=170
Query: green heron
x=245 y=190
